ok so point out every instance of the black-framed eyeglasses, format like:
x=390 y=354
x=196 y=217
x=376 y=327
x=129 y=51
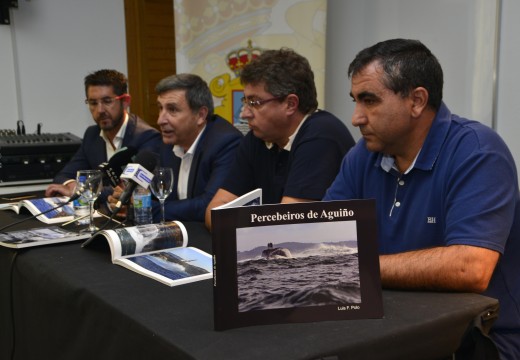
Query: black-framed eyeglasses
x=256 y=103
x=106 y=101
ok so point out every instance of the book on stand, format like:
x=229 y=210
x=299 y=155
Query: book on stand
x=300 y=262
x=158 y=251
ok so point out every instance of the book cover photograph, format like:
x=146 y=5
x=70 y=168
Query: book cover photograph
x=301 y=265
x=301 y=262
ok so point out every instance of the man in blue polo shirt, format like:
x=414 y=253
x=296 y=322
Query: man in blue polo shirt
x=293 y=150
x=446 y=188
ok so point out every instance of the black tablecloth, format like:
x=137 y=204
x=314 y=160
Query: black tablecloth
x=67 y=302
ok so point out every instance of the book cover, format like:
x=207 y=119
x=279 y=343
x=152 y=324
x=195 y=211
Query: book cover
x=300 y=262
x=158 y=251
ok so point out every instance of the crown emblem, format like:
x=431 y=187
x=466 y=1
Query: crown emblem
x=239 y=58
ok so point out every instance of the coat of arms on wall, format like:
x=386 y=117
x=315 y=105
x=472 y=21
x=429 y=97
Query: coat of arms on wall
x=229 y=89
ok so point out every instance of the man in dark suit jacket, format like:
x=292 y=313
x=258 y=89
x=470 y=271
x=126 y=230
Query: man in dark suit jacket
x=115 y=128
x=211 y=159
x=198 y=145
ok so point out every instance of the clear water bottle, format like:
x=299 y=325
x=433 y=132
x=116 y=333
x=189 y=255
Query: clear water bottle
x=81 y=211
x=142 y=204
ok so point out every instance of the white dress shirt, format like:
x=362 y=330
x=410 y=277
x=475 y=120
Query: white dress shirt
x=184 y=170
x=118 y=139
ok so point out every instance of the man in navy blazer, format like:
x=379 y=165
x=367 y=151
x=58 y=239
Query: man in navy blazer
x=209 y=166
x=115 y=128
x=198 y=145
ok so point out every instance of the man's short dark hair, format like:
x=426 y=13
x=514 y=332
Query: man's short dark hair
x=197 y=90
x=283 y=72
x=407 y=64
x=107 y=77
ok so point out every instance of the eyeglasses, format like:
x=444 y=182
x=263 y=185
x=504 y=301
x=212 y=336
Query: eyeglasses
x=106 y=101
x=254 y=104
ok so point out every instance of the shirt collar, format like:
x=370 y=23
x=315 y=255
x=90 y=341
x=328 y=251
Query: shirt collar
x=288 y=146
x=388 y=163
x=118 y=139
x=179 y=150
x=429 y=153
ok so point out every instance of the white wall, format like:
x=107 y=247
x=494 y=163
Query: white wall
x=508 y=112
x=459 y=33
x=8 y=105
x=51 y=45
x=45 y=54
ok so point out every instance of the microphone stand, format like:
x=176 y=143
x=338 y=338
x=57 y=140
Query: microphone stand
x=110 y=218
x=86 y=216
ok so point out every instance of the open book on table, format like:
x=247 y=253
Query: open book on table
x=158 y=251
x=301 y=262
x=50 y=210
x=39 y=236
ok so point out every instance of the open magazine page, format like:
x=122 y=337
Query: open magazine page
x=145 y=238
x=39 y=236
x=52 y=209
x=10 y=206
x=172 y=267
x=158 y=251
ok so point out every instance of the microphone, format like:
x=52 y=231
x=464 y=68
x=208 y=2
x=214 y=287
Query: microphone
x=139 y=173
x=111 y=169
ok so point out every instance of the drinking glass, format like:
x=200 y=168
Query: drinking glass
x=89 y=183
x=161 y=185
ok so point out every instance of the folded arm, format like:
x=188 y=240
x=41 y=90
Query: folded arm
x=452 y=268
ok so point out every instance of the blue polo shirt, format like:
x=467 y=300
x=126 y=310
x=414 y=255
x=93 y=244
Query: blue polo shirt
x=462 y=189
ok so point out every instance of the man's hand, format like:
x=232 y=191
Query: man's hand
x=114 y=198
x=60 y=190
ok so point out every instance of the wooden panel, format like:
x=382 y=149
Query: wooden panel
x=150 y=40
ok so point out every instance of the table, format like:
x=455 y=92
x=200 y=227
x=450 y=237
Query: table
x=67 y=302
